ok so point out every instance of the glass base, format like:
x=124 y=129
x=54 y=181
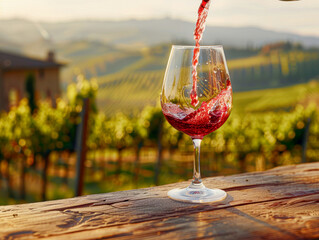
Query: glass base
x=197 y=193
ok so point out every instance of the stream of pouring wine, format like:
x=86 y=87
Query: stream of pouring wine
x=198 y=33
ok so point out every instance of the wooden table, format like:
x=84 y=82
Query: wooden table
x=282 y=203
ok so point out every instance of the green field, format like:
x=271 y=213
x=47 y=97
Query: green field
x=276 y=99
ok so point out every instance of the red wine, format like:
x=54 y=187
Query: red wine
x=207 y=118
x=200 y=27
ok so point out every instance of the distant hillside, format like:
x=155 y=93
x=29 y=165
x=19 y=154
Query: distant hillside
x=99 y=60
x=131 y=79
x=128 y=58
x=142 y=32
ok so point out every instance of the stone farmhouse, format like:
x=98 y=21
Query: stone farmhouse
x=15 y=69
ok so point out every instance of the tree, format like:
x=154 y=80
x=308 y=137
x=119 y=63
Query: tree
x=30 y=90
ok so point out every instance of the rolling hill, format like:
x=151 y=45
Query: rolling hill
x=128 y=58
x=140 y=33
x=131 y=79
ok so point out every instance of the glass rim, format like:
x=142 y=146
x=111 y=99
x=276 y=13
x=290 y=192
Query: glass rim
x=200 y=47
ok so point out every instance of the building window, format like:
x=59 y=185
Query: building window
x=49 y=95
x=41 y=73
x=13 y=98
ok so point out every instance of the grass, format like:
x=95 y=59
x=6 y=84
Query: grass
x=272 y=58
x=278 y=98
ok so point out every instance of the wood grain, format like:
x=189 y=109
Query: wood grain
x=282 y=203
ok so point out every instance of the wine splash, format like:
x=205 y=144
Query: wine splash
x=198 y=33
x=209 y=117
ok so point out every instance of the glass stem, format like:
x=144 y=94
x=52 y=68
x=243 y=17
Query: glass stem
x=196 y=177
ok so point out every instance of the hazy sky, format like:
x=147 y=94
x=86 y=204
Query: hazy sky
x=299 y=16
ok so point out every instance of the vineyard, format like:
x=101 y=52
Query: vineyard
x=137 y=75
x=130 y=144
x=140 y=149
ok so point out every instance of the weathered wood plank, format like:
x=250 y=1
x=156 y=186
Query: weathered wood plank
x=280 y=203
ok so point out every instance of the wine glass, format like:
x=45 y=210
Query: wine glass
x=196 y=99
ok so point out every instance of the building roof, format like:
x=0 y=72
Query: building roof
x=10 y=61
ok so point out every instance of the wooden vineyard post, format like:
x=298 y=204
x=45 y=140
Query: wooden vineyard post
x=305 y=141
x=159 y=153
x=81 y=147
x=46 y=160
x=22 y=177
